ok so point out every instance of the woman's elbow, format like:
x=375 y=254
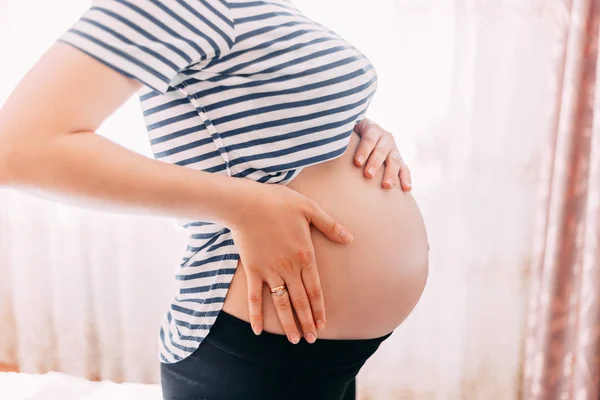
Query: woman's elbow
x=9 y=150
x=14 y=152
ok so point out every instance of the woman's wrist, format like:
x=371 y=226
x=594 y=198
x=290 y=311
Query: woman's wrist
x=231 y=199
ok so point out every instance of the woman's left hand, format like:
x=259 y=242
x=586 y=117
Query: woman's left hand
x=376 y=148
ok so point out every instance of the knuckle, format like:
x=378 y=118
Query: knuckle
x=369 y=136
x=282 y=304
x=252 y=269
x=335 y=227
x=313 y=206
x=290 y=328
x=392 y=169
x=375 y=129
x=255 y=316
x=395 y=157
x=319 y=315
x=307 y=327
x=392 y=164
x=314 y=292
x=303 y=257
x=254 y=298
x=379 y=153
x=385 y=139
x=285 y=266
x=301 y=303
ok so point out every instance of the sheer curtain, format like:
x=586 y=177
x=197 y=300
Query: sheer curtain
x=562 y=352
x=465 y=85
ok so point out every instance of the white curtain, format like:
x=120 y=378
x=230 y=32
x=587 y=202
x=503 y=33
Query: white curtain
x=466 y=87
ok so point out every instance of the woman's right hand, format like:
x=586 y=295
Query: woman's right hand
x=272 y=233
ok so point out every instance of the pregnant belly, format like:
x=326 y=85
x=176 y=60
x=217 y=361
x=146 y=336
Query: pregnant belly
x=371 y=284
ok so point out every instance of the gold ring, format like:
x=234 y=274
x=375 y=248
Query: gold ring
x=279 y=290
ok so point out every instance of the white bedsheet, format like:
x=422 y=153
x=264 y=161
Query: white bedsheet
x=59 y=386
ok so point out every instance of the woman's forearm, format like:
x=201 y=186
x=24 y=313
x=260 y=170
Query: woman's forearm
x=87 y=169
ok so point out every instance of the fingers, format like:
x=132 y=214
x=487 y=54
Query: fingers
x=391 y=174
x=379 y=147
x=283 y=307
x=369 y=136
x=301 y=305
x=405 y=177
x=312 y=285
x=326 y=224
x=255 y=287
x=396 y=172
x=382 y=149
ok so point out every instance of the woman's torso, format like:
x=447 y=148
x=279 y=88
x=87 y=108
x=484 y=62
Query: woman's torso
x=371 y=284
x=275 y=95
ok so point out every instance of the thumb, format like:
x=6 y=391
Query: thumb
x=328 y=225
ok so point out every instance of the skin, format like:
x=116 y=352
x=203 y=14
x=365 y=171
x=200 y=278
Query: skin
x=378 y=148
x=369 y=285
x=48 y=147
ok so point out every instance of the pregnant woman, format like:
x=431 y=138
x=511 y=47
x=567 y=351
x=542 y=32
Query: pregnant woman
x=297 y=267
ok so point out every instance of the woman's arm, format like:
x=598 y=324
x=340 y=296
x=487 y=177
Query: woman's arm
x=47 y=139
x=48 y=143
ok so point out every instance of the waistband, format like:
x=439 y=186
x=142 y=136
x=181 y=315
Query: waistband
x=235 y=336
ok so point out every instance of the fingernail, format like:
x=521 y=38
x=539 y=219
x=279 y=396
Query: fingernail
x=345 y=235
x=320 y=325
x=256 y=329
x=294 y=338
x=389 y=181
x=371 y=171
x=409 y=185
x=361 y=159
x=310 y=338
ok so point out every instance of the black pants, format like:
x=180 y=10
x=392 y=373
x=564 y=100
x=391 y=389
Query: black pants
x=232 y=363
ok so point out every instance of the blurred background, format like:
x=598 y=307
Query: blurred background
x=495 y=105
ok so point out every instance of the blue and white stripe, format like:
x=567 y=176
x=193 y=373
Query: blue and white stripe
x=248 y=89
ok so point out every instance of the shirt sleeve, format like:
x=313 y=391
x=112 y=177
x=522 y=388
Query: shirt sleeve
x=152 y=41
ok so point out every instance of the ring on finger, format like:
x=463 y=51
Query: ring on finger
x=278 y=290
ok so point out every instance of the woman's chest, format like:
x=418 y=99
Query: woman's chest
x=286 y=95
x=279 y=54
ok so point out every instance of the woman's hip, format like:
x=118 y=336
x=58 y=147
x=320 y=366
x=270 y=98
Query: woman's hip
x=232 y=363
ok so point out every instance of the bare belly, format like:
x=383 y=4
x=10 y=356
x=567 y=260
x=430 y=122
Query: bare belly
x=371 y=284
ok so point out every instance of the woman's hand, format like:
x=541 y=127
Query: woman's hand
x=272 y=232
x=377 y=147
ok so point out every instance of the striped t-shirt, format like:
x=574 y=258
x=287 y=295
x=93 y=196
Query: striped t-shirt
x=249 y=89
